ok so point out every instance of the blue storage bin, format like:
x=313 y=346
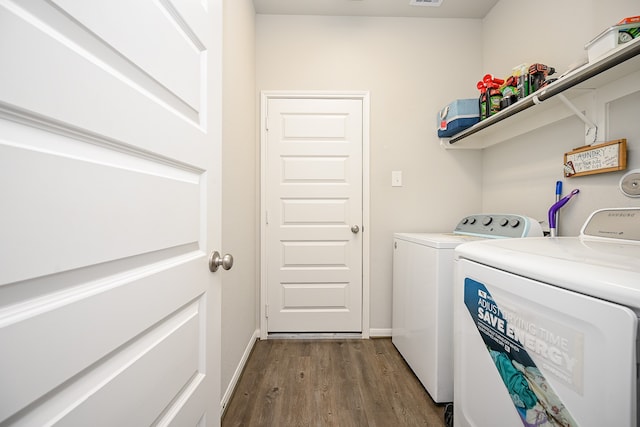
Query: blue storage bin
x=458 y=116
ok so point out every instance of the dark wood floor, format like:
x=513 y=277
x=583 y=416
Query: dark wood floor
x=329 y=383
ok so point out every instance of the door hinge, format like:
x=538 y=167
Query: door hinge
x=266 y=217
x=266 y=311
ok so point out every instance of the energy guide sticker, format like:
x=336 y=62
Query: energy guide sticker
x=522 y=346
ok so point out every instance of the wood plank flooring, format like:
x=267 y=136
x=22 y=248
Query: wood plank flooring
x=342 y=383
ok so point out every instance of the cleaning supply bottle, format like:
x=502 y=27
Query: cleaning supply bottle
x=509 y=92
x=522 y=83
x=482 y=100
x=492 y=95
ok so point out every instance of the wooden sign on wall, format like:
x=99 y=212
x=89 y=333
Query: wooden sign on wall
x=607 y=157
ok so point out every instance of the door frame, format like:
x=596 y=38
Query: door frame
x=363 y=96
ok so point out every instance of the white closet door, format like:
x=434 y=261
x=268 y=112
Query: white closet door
x=314 y=214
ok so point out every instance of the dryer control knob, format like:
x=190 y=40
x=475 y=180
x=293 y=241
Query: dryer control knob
x=514 y=222
x=472 y=221
x=486 y=220
x=504 y=222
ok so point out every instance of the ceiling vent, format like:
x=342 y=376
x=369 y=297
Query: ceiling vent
x=435 y=3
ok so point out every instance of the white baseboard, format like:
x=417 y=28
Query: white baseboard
x=314 y=336
x=379 y=333
x=236 y=375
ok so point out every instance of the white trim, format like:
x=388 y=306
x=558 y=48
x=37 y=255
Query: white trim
x=264 y=101
x=364 y=97
x=236 y=375
x=315 y=336
x=366 y=224
x=380 y=333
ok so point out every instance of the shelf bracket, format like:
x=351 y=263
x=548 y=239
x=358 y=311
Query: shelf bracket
x=587 y=121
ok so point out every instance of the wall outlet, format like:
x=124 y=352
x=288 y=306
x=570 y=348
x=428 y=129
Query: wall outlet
x=396 y=178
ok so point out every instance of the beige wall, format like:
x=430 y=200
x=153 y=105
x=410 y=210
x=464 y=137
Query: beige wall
x=527 y=186
x=239 y=195
x=411 y=67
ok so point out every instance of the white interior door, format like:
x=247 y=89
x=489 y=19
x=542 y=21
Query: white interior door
x=314 y=214
x=109 y=182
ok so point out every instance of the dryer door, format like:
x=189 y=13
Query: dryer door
x=526 y=352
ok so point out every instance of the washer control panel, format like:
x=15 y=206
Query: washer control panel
x=496 y=226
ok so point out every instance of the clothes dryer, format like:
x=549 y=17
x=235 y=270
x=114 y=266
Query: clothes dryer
x=423 y=292
x=545 y=329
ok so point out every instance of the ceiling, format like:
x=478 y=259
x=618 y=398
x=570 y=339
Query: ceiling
x=471 y=9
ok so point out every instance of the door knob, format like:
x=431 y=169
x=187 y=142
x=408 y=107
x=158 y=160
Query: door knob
x=215 y=261
x=355 y=229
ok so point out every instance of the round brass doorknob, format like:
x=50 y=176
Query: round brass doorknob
x=215 y=261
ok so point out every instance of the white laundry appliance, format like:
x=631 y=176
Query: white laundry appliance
x=423 y=294
x=546 y=329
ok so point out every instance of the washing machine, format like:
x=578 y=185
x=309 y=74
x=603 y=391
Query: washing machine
x=545 y=329
x=422 y=293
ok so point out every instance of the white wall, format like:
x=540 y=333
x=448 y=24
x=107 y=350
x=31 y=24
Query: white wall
x=412 y=67
x=239 y=195
x=528 y=186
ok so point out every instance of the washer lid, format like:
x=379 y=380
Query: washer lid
x=436 y=240
x=604 y=269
